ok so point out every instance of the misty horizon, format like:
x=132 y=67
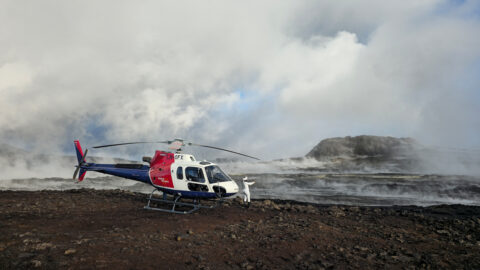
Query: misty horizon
x=358 y=155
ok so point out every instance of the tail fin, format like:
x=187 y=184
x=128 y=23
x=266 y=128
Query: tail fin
x=82 y=175
x=78 y=149
x=81 y=160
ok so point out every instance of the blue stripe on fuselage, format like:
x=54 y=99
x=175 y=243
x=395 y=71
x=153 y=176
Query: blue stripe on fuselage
x=192 y=194
x=139 y=174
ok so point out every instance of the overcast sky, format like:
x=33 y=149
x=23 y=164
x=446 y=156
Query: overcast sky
x=269 y=78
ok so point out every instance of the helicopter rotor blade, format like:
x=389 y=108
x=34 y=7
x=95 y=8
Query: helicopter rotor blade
x=84 y=156
x=118 y=144
x=76 y=172
x=221 y=149
x=180 y=143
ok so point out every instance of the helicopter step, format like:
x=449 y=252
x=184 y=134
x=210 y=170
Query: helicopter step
x=175 y=201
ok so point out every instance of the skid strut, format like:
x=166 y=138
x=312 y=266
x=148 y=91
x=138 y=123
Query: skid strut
x=175 y=201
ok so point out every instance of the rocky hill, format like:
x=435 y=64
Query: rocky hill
x=392 y=155
x=363 y=146
x=368 y=153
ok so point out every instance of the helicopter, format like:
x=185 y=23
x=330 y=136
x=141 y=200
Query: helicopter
x=176 y=175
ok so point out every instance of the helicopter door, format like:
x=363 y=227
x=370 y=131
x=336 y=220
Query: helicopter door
x=195 y=178
x=160 y=169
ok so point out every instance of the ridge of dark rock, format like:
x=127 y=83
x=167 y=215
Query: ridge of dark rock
x=364 y=145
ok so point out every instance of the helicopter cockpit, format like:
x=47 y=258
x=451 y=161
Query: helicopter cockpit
x=213 y=172
x=206 y=177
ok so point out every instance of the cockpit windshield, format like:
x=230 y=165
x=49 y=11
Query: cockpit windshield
x=215 y=174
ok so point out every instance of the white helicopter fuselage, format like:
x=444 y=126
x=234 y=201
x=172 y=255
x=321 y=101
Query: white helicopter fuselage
x=182 y=174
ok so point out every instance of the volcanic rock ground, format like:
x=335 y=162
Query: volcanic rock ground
x=88 y=229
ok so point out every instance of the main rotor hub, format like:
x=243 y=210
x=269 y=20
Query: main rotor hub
x=176 y=145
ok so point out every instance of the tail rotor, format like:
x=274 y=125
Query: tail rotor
x=81 y=161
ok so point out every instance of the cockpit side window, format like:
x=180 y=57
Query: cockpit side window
x=194 y=174
x=180 y=173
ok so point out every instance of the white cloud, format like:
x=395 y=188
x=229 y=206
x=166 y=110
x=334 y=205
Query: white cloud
x=158 y=70
x=14 y=77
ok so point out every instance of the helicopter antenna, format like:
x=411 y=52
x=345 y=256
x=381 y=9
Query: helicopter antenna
x=177 y=145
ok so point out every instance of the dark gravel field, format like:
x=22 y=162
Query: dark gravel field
x=88 y=229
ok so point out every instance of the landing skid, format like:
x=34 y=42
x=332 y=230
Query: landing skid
x=175 y=201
